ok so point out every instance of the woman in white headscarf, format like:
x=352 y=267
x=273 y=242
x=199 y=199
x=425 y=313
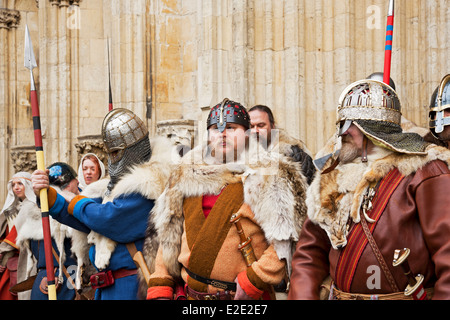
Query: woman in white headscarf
x=91 y=169
x=20 y=192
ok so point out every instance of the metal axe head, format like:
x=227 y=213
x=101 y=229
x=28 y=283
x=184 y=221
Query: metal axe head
x=30 y=60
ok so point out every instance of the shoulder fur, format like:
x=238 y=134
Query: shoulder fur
x=335 y=197
x=148 y=178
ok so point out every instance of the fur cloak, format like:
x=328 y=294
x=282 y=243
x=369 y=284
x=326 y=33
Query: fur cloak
x=274 y=188
x=336 y=197
x=29 y=227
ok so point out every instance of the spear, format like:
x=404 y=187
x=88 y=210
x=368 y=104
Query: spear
x=388 y=45
x=109 y=79
x=30 y=63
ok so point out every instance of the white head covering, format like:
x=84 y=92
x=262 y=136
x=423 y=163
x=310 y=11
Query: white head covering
x=82 y=182
x=11 y=198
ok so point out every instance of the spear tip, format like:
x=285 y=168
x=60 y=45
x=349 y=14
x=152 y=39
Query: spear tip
x=29 y=58
x=391 y=8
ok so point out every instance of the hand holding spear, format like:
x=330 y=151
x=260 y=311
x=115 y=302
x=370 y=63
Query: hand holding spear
x=30 y=63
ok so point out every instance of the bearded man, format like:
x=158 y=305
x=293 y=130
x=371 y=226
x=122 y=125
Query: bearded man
x=272 y=138
x=386 y=191
x=217 y=190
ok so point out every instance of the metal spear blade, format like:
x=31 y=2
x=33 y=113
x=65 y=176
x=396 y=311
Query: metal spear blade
x=391 y=8
x=30 y=60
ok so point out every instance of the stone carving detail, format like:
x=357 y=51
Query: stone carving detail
x=64 y=3
x=180 y=131
x=9 y=18
x=23 y=158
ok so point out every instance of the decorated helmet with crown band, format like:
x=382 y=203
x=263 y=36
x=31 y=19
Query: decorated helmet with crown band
x=375 y=109
x=228 y=112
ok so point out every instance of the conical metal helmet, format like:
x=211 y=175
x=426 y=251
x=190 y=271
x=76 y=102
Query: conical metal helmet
x=375 y=109
x=122 y=129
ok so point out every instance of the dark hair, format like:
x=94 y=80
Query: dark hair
x=265 y=109
x=61 y=174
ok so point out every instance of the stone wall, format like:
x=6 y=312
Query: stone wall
x=170 y=60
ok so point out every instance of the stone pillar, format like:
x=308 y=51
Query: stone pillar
x=9 y=20
x=126 y=26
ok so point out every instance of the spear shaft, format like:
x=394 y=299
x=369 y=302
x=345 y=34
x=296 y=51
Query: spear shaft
x=388 y=43
x=30 y=63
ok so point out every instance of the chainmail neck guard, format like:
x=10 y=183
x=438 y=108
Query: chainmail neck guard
x=132 y=156
x=391 y=136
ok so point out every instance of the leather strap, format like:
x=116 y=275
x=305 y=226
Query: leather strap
x=131 y=249
x=332 y=167
x=378 y=255
x=122 y=273
x=68 y=277
x=364 y=149
x=225 y=285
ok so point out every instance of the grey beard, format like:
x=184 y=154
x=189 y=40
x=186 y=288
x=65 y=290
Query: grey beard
x=132 y=156
x=348 y=153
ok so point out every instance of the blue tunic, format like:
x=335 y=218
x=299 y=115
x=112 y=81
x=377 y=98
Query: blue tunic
x=123 y=220
x=65 y=290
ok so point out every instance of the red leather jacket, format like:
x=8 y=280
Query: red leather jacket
x=417 y=216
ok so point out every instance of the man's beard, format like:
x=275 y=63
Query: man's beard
x=445 y=135
x=262 y=139
x=348 y=152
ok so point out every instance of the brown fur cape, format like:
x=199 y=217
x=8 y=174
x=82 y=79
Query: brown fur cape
x=274 y=188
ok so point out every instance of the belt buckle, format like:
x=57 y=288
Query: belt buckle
x=218 y=284
x=356 y=297
x=211 y=297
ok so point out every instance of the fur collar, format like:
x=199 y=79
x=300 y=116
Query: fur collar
x=284 y=143
x=274 y=188
x=29 y=227
x=336 y=197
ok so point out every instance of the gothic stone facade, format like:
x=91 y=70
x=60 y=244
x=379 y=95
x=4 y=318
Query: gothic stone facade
x=170 y=60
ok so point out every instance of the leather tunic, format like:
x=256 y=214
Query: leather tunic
x=417 y=216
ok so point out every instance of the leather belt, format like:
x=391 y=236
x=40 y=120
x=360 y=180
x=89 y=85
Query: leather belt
x=122 y=273
x=195 y=295
x=225 y=285
x=337 y=294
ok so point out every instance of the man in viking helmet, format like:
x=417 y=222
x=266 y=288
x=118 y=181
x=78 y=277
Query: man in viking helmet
x=215 y=192
x=114 y=211
x=439 y=114
x=386 y=191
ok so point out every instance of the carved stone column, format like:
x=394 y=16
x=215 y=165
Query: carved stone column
x=23 y=158
x=180 y=131
x=9 y=18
